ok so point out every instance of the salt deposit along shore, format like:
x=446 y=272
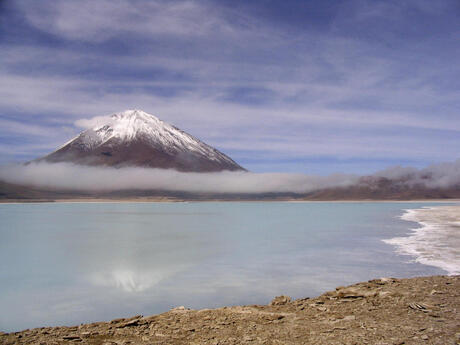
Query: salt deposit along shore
x=435 y=241
x=422 y=310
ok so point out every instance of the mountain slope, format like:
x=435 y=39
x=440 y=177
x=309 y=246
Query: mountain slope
x=135 y=138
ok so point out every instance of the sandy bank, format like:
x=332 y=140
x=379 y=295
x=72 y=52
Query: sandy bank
x=166 y=199
x=422 y=310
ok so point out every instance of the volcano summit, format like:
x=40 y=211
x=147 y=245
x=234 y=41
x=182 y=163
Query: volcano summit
x=135 y=138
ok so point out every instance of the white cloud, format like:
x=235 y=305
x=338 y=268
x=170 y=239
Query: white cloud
x=75 y=177
x=443 y=175
x=84 y=178
x=16 y=127
x=93 y=122
x=97 y=21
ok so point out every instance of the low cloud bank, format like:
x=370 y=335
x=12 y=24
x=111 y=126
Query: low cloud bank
x=443 y=175
x=68 y=176
x=76 y=177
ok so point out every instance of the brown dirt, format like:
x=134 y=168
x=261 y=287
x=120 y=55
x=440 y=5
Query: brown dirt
x=422 y=310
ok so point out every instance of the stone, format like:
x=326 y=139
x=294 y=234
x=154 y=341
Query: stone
x=417 y=306
x=71 y=337
x=128 y=324
x=280 y=300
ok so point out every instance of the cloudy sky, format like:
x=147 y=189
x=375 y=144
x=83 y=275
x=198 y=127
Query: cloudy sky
x=281 y=86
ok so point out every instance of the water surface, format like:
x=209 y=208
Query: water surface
x=68 y=263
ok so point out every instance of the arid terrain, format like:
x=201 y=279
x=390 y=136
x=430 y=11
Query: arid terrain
x=421 y=310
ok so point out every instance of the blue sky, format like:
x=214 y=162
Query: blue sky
x=290 y=86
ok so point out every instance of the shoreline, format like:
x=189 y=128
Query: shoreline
x=172 y=200
x=387 y=310
x=436 y=238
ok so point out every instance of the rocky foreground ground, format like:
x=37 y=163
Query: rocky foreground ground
x=384 y=311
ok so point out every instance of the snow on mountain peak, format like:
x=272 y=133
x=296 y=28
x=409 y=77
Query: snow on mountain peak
x=135 y=124
x=136 y=138
x=128 y=124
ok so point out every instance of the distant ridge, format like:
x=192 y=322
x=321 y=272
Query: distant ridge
x=136 y=138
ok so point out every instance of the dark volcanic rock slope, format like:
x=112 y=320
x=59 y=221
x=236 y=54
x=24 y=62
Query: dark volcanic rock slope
x=135 y=138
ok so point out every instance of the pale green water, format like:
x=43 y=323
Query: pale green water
x=64 y=264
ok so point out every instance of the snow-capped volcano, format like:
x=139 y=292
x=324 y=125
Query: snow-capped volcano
x=136 y=138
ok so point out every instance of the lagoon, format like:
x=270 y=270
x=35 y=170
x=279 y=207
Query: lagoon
x=69 y=263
